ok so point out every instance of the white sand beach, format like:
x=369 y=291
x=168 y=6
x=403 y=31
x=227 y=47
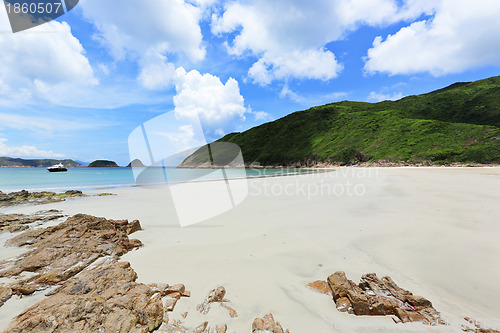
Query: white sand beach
x=435 y=231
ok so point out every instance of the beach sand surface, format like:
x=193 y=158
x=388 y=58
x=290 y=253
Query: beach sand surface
x=435 y=231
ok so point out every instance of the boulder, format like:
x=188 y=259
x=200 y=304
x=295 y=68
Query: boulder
x=103 y=299
x=378 y=297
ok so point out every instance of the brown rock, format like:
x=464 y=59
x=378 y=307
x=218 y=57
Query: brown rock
x=62 y=251
x=202 y=328
x=133 y=227
x=267 y=324
x=377 y=297
x=232 y=312
x=170 y=303
x=5 y=294
x=344 y=305
x=20 y=222
x=215 y=295
x=221 y=328
x=101 y=299
x=321 y=287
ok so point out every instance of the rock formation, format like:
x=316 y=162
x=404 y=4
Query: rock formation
x=267 y=324
x=25 y=197
x=20 y=222
x=216 y=296
x=103 y=299
x=60 y=252
x=375 y=297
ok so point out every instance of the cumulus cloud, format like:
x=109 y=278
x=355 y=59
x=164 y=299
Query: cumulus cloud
x=36 y=62
x=204 y=95
x=289 y=37
x=148 y=31
x=461 y=35
x=25 y=151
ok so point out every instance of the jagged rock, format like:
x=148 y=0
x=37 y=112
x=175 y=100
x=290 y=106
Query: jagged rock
x=202 y=328
x=267 y=324
x=215 y=295
x=73 y=192
x=5 y=294
x=321 y=287
x=103 y=299
x=20 y=222
x=375 y=297
x=62 y=251
x=22 y=197
x=133 y=227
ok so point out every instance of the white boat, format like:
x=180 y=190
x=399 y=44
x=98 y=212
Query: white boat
x=57 y=168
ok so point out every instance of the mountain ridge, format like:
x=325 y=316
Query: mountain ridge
x=459 y=123
x=35 y=163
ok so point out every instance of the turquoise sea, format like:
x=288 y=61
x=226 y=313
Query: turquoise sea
x=39 y=179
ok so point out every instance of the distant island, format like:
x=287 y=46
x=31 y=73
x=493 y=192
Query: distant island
x=456 y=124
x=103 y=164
x=35 y=163
x=136 y=164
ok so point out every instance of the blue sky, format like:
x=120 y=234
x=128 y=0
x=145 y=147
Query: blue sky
x=78 y=86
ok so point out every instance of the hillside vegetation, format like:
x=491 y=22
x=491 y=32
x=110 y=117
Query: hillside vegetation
x=103 y=164
x=460 y=123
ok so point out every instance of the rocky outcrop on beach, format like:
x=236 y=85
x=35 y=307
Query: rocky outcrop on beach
x=474 y=326
x=216 y=296
x=20 y=222
x=103 y=299
x=377 y=297
x=267 y=324
x=60 y=252
x=26 y=197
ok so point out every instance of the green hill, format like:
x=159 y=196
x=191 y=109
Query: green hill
x=103 y=164
x=460 y=123
x=19 y=162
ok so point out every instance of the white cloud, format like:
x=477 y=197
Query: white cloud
x=216 y=104
x=45 y=125
x=289 y=36
x=149 y=29
x=379 y=97
x=41 y=60
x=156 y=72
x=463 y=34
x=25 y=151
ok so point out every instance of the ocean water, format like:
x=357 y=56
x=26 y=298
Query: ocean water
x=39 y=179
